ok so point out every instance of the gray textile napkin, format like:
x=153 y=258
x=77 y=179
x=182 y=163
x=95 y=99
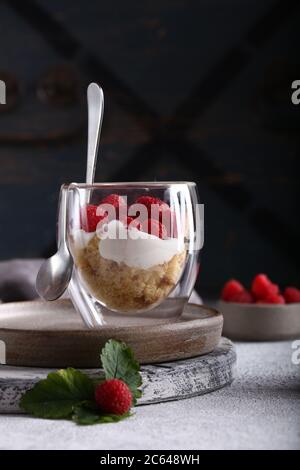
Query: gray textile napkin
x=17 y=280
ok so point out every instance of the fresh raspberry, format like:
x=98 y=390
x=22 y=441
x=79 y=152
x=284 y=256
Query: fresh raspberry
x=148 y=202
x=292 y=295
x=89 y=218
x=169 y=220
x=114 y=200
x=133 y=223
x=154 y=227
x=262 y=287
x=133 y=212
x=113 y=396
x=129 y=220
x=243 y=297
x=272 y=299
x=230 y=289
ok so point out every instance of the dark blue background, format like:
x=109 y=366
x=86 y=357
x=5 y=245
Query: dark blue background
x=194 y=90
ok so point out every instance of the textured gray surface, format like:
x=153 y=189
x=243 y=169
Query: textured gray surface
x=260 y=410
x=161 y=382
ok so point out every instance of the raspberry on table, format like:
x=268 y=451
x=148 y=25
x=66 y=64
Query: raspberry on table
x=291 y=295
x=113 y=396
x=243 y=297
x=262 y=287
x=231 y=288
x=272 y=299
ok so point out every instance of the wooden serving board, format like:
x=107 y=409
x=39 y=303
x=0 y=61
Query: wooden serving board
x=51 y=334
x=161 y=382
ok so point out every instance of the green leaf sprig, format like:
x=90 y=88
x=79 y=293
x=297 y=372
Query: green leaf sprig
x=118 y=362
x=70 y=394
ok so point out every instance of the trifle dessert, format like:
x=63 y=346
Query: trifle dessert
x=130 y=257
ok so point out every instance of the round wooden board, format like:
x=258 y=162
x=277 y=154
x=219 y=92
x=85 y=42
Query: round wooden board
x=161 y=382
x=51 y=334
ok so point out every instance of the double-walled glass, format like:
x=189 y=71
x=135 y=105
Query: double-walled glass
x=135 y=248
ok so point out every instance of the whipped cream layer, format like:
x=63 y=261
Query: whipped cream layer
x=135 y=248
x=131 y=246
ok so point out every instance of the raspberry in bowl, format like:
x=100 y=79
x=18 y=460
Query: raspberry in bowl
x=261 y=312
x=134 y=245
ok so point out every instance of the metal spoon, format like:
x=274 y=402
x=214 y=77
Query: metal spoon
x=95 y=100
x=55 y=273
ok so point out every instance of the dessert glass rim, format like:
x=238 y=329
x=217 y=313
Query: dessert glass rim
x=131 y=184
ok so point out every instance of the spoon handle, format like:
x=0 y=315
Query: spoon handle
x=62 y=216
x=95 y=100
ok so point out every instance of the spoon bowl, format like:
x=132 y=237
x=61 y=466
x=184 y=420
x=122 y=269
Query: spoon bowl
x=55 y=274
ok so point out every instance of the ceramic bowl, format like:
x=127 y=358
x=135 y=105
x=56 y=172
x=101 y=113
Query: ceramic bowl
x=260 y=322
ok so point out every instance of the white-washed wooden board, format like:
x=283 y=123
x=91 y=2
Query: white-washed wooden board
x=161 y=382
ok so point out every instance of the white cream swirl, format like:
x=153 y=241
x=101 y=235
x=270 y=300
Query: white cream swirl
x=135 y=248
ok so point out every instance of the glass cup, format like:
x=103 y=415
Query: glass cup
x=135 y=248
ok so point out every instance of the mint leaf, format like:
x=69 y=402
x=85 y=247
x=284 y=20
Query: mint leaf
x=118 y=362
x=84 y=415
x=57 y=395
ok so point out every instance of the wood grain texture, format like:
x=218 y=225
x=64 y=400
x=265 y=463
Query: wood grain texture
x=161 y=382
x=40 y=334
